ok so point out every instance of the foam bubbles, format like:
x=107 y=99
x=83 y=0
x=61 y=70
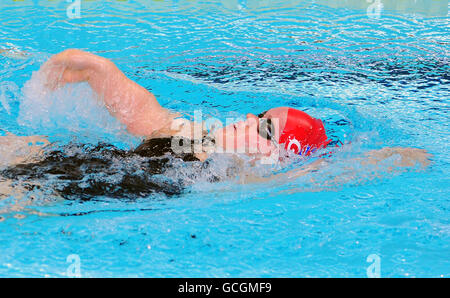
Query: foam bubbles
x=8 y=91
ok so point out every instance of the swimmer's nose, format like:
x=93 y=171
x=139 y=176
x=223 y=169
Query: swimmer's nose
x=252 y=120
x=251 y=116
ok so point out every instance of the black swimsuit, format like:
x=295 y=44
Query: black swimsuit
x=85 y=172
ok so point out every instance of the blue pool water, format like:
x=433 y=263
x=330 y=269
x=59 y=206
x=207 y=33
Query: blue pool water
x=377 y=78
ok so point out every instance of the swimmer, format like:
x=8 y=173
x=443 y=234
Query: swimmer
x=258 y=136
x=143 y=116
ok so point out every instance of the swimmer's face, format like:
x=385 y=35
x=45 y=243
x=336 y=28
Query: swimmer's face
x=255 y=135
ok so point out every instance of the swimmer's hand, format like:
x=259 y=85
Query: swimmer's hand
x=130 y=103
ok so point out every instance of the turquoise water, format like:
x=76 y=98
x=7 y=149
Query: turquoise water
x=377 y=79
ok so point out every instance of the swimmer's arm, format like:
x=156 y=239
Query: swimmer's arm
x=409 y=157
x=129 y=102
x=20 y=149
x=372 y=162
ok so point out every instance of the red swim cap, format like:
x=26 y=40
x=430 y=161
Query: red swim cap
x=303 y=134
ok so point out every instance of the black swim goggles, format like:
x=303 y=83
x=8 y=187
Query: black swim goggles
x=266 y=129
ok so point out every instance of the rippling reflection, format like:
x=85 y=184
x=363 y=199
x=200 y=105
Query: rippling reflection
x=422 y=74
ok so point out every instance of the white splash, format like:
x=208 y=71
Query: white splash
x=73 y=110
